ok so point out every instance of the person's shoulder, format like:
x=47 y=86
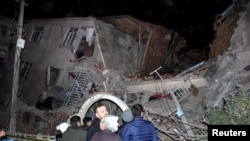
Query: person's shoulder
x=128 y=125
x=85 y=127
x=150 y=124
x=91 y=127
x=77 y=129
x=98 y=133
x=8 y=139
x=96 y=119
x=95 y=124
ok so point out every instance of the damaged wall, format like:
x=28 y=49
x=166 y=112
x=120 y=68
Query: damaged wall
x=120 y=50
x=114 y=49
x=153 y=41
x=224 y=29
x=48 y=52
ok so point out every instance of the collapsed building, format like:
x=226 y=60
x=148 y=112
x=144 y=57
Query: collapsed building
x=122 y=61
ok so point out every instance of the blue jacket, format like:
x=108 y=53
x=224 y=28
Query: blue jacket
x=139 y=130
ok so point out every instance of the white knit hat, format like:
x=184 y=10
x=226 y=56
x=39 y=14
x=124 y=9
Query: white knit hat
x=110 y=122
x=127 y=115
x=62 y=127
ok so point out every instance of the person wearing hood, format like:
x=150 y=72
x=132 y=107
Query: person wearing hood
x=109 y=124
x=74 y=131
x=127 y=116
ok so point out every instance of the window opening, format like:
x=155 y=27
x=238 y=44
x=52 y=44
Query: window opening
x=70 y=37
x=37 y=34
x=24 y=69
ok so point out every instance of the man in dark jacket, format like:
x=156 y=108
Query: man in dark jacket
x=74 y=131
x=139 y=129
x=100 y=112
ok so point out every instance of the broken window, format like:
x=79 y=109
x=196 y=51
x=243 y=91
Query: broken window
x=24 y=69
x=37 y=34
x=82 y=41
x=76 y=34
x=85 y=49
x=53 y=75
x=70 y=37
x=87 y=43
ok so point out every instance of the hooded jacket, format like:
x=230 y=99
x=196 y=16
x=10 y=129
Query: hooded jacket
x=74 y=133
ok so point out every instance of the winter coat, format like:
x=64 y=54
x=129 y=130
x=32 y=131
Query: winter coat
x=120 y=130
x=74 y=133
x=94 y=127
x=85 y=127
x=139 y=130
x=105 y=135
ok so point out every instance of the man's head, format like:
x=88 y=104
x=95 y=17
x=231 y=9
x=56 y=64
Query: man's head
x=100 y=110
x=87 y=121
x=75 y=121
x=137 y=110
x=3 y=131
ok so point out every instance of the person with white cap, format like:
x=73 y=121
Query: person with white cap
x=109 y=124
x=127 y=116
x=62 y=128
x=74 y=131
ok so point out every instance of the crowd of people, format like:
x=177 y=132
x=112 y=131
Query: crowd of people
x=105 y=127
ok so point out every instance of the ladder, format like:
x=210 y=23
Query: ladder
x=77 y=90
x=168 y=107
x=177 y=95
x=181 y=92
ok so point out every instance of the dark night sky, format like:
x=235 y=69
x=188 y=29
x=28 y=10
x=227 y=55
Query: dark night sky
x=192 y=19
